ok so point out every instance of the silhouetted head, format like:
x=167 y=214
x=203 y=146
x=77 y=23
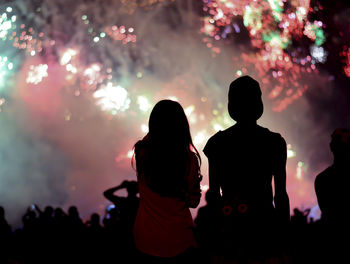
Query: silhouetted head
x=95 y=219
x=132 y=188
x=244 y=100
x=59 y=213
x=166 y=149
x=168 y=124
x=48 y=211
x=73 y=212
x=210 y=197
x=340 y=144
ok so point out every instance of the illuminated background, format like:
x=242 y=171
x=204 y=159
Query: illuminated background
x=78 y=80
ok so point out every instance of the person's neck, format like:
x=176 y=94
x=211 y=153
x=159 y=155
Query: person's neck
x=247 y=124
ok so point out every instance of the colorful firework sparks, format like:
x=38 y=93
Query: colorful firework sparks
x=2 y=102
x=112 y=98
x=346 y=55
x=116 y=33
x=5 y=67
x=132 y=5
x=272 y=27
x=6 y=23
x=121 y=34
x=37 y=73
x=275 y=41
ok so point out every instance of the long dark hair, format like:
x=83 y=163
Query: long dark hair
x=163 y=155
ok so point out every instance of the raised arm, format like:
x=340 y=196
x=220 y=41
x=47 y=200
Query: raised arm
x=109 y=193
x=281 y=198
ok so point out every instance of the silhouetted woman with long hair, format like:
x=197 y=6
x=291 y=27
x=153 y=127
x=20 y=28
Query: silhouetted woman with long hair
x=168 y=172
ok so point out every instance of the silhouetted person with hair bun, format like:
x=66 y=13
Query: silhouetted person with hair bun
x=168 y=173
x=243 y=161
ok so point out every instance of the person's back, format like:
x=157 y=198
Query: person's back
x=243 y=161
x=174 y=221
x=331 y=188
x=168 y=173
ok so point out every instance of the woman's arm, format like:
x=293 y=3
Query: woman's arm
x=194 y=194
x=281 y=198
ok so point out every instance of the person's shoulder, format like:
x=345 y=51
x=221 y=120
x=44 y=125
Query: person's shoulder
x=216 y=141
x=324 y=175
x=275 y=137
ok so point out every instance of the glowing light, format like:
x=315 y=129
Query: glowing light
x=130 y=154
x=199 y=138
x=290 y=153
x=299 y=174
x=143 y=103
x=112 y=98
x=5 y=25
x=71 y=68
x=5 y=67
x=121 y=34
x=189 y=110
x=92 y=75
x=144 y=128
x=204 y=187
x=67 y=56
x=173 y=98
x=346 y=57
x=37 y=73
x=218 y=127
x=318 y=54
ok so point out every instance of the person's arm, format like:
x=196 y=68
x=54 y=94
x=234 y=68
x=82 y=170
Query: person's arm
x=109 y=194
x=281 y=198
x=214 y=185
x=37 y=208
x=194 y=189
x=319 y=195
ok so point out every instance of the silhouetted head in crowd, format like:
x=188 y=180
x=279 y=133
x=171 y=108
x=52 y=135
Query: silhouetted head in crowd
x=210 y=197
x=59 y=213
x=95 y=219
x=48 y=211
x=73 y=212
x=340 y=146
x=244 y=100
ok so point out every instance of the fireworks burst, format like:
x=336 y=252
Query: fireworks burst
x=112 y=98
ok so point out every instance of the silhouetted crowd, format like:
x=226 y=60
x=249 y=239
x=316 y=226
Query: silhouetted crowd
x=56 y=236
